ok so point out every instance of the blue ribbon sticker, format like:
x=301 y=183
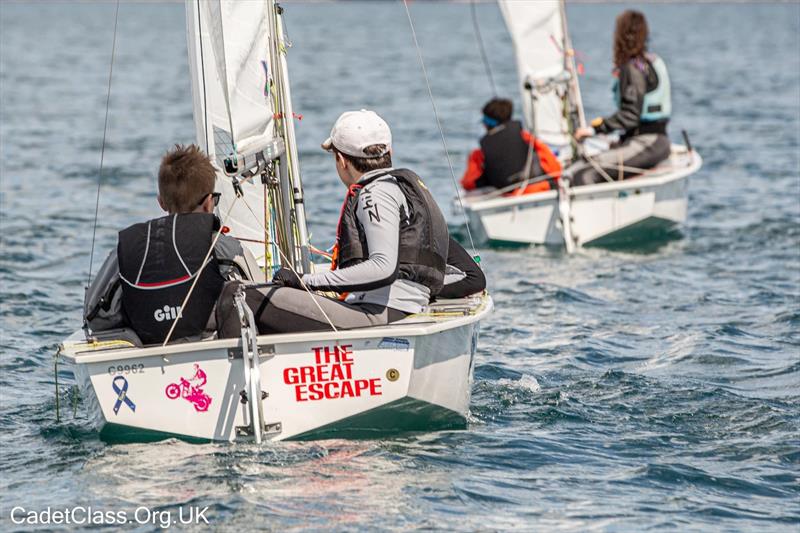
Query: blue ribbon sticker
x=122 y=394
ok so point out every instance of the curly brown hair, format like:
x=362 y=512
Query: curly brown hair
x=630 y=37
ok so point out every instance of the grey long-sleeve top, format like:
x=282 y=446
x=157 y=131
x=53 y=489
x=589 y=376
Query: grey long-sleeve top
x=381 y=206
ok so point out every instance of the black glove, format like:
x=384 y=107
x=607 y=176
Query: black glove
x=285 y=277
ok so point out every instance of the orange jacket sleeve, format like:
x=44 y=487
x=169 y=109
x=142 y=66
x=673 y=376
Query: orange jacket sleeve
x=474 y=170
x=548 y=161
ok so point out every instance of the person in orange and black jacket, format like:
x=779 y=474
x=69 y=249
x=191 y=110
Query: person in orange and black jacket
x=509 y=154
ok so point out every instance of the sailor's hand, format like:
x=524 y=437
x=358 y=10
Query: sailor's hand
x=582 y=133
x=286 y=277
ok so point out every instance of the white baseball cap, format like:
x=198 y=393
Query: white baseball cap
x=355 y=130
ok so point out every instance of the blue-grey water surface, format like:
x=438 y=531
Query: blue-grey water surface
x=645 y=388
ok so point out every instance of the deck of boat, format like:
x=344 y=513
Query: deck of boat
x=438 y=316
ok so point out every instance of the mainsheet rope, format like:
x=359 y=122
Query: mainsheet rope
x=486 y=65
x=591 y=161
x=103 y=148
x=439 y=125
x=285 y=261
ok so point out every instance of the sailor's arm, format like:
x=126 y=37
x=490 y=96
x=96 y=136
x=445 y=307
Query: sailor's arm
x=463 y=276
x=547 y=159
x=474 y=171
x=236 y=261
x=378 y=212
x=632 y=87
x=102 y=307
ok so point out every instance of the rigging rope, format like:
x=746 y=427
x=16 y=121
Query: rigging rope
x=439 y=125
x=589 y=159
x=103 y=148
x=486 y=65
x=286 y=262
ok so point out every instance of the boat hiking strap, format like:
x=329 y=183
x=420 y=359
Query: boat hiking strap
x=443 y=314
x=518 y=185
x=441 y=130
x=102 y=150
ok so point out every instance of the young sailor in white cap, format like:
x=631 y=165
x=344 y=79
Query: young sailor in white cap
x=391 y=245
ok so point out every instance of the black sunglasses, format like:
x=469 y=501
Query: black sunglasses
x=214 y=195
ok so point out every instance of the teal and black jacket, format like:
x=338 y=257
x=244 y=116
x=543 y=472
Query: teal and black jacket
x=637 y=85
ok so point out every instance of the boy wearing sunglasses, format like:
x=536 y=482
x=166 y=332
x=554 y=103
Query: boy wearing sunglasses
x=391 y=247
x=143 y=283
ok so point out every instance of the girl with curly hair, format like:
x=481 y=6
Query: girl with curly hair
x=642 y=95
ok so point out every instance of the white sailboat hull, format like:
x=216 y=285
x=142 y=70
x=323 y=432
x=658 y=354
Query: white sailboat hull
x=604 y=213
x=413 y=375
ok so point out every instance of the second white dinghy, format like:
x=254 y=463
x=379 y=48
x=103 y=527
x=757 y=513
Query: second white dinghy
x=414 y=374
x=651 y=205
x=635 y=209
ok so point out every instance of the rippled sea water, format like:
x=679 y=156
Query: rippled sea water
x=654 y=387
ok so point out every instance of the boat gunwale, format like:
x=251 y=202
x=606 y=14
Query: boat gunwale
x=477 y=205
x=408 y=329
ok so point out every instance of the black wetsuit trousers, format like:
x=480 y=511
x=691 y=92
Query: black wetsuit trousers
x=640 y=152
x=287 y=310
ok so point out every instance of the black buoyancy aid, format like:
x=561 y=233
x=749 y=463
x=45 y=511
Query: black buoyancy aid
x=424 y=238
x=158 y=262
x=506 y=155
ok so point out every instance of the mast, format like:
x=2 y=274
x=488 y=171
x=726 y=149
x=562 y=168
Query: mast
x=290 y=170
x=243 y=118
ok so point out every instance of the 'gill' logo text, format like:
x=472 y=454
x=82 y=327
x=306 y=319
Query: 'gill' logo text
x=166 y=313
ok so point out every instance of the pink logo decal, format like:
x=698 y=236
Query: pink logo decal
x=191 y=390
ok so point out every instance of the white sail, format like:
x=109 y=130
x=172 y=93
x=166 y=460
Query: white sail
x=229 y=61
x=237 y=95
x=537 y=28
